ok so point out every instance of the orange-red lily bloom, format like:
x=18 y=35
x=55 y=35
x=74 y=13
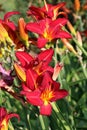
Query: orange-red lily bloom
x=48 y=30
x=10 y=30
x=32 y=67
x=48 y=11
x=48 y=91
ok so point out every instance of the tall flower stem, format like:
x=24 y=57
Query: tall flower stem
x=81 y=48
x=66 y=125
x=43 y=122
x=55 y=60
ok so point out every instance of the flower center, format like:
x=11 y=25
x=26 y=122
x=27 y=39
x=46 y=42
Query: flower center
x=47 y=95
x=47 y=35
x=4 y=125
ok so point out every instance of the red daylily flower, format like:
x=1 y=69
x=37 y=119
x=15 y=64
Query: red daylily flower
x=4 y=118
x=6 y=22
x=48 y=92
x=48 y=30
x=12 y=29
x=32 y=67
x=48 y=11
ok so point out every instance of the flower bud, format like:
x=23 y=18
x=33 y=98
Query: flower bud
x=68 y=45
x=20 y=72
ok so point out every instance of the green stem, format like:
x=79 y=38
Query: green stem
x=81 y=48
x=61 y=117
x=83 y=67
x=27 y=119
x=44 y=122
x=56 y=61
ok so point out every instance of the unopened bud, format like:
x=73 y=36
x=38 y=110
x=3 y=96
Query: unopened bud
x=57 y=70
x=71 y=28
x=22 y=32
x=77 y=5
x=68 y=45
x=20 y=72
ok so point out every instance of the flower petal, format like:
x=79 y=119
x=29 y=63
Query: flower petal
x=25 y=88
x=37 y=12
x=46 y=80
x=59 y=95
x=11 y=115
x=62 y=34
x=56 y=23
x=46 y=56
x=41 y=42
x=34 y=98
x=24 y=58
x=7 y=15
x=45 y=110
x=31 y=77
x=3 y=113
x=34 y=27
